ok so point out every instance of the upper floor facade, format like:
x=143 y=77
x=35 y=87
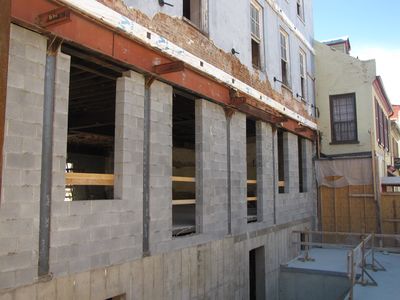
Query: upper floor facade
x=267 y=43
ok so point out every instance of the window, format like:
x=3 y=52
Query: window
x=255 y=17
x=283 y=180
x=196 y=12
x=183 y=164
x=284 y=57
x=89 y=165
x=302 y=164
x=382 y=132
x=343 y=118
x=251 y=153
x=300 y=9
x=303 y=66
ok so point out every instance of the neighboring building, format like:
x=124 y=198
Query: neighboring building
x=352 y=104
x=395 y=136
x=155 y=149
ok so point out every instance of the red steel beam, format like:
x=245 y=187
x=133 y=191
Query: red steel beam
x=5 y=20
x=100 y=38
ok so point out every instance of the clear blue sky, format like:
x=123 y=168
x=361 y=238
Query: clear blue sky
x=373 y=27
x=365 y=21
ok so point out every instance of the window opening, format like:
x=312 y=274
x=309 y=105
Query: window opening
x=251 y=153
x=303 y=65
x=284 y=42
x=343 y=118
x=91 y=129
x=183 y=165
x=255 y=17
x=282 y=184
x=302 y=164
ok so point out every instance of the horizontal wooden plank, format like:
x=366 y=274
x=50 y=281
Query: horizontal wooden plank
x=251 y=181
x=361 y=195
x=392 y=220
x=183 y=201
x=250 y=199
x=281 y=183
x=183 y=179
x=89 y=179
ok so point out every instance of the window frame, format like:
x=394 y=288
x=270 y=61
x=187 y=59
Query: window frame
x=300 y=9
x=282 y=33
x=257 y=36
x=303 y=74
x=331 y=106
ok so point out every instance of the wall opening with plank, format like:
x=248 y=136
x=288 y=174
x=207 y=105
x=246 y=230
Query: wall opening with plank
x=251 y=153
x=91 y=128
x=183 y=164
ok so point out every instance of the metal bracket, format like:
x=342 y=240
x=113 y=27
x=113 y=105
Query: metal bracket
x=171 y=67
x=148 y=81
x=54 y=17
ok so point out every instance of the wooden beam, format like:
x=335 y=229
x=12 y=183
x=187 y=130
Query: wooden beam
x=172 y=67
x=87 y=69
x=89 y=179
x=183 y=179
x=183 y=201
x=251 y=199
x=281 y=184
x=5 y=21
x=250 y=181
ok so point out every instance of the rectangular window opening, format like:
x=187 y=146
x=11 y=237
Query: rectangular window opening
x=302 y=159
x=284 y=42
x=255 y=17
x=183 y=165
x=300 y=9
x=343 y=118
x=91 y=130
x=303 y=84
x=257 y=274
x=282 y=182
x=251 y=154
x=193 y=11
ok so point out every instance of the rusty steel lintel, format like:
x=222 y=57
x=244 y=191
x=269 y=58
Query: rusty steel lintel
x=175 y=66
x=54 y=17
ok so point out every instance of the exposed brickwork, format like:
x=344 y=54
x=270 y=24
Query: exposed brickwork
x=183 y=34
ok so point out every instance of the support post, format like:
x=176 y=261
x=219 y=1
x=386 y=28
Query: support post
x=47 y=157
x=5 y=20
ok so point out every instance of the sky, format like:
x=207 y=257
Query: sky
x=374 y=31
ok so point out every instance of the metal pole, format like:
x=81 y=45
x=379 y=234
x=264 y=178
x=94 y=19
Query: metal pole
x=47 y=159
x=5 y=19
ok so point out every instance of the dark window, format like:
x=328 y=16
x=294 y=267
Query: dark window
x=343 y=118
x=300 y=9
x=284 y=39
x=382 y=125
x=255 y=54
x=251 y=153
x=302 y=165
x=281 y=163
x=192 y=10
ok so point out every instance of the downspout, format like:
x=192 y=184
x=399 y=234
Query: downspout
x=146 y=165
x=47 y=157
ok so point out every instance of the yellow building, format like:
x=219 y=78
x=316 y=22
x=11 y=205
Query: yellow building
x=354 y=109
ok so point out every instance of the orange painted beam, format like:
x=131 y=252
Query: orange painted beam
x=98 y=37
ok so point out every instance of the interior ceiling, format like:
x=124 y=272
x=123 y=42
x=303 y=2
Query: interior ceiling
x=91 y=111
x=183 y=126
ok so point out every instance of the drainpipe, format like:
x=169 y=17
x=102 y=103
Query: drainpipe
x=47 y=157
